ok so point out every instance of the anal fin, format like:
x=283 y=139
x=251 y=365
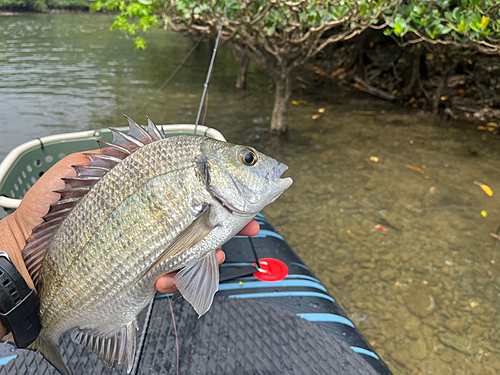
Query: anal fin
x=199 y=282
x=119 y=346
x=51 y=353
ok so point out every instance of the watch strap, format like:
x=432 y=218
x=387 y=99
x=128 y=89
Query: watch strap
x=18 y=304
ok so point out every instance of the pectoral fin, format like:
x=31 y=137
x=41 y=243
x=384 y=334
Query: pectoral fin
x=199 y=282
x=189 y=237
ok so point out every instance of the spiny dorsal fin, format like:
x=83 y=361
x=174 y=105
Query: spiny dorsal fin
x=116 y=346
x=76 y=187
x=137 y=130
x=154 y=131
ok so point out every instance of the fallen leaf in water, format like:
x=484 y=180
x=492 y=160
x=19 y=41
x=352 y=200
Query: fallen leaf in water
x=321 y=110
x=473 y=304
x=374 y=159
x=294 y=102
x=372 y=342
x=482 y=128
x=485 y=188
x=461 y=91
x=484 y=213
x=491 y=124
x=302 y=102
x=302 y=86
x=414 y=168
x=316 y=116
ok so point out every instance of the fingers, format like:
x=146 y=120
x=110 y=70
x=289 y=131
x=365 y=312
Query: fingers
x=251 y=229
x=165 y=283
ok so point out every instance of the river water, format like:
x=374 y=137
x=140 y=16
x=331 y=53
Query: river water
x=408 y=254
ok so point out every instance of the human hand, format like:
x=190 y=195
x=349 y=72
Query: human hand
x=16 y=228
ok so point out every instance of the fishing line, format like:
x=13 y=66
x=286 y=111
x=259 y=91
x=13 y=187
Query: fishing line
x=142 y=341
x=172 y=75
x=210 y=69
x=175 y=331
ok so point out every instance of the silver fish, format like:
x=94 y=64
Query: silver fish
x=145 y=206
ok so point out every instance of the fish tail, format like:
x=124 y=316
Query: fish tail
x=50 y=351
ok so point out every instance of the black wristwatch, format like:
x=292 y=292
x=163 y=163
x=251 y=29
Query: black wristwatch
x=18 y=304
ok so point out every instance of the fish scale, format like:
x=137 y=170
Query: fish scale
x=160 y=205
x=73 y=235
x=122 y=228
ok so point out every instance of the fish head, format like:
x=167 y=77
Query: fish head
x=243 y=179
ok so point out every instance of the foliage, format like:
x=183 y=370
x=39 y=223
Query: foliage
x=465 y=23
x=133 y=16
x=44 y=4
x=67 y=4
x=23 y=4
x=273 y=19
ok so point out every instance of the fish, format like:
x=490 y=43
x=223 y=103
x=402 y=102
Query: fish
x=144 y=206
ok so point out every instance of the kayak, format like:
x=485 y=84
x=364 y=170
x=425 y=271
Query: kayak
x=271 y=314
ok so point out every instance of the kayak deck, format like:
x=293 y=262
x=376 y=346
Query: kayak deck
x=292 y=326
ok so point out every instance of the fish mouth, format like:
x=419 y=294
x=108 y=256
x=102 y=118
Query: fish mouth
x=275 y=174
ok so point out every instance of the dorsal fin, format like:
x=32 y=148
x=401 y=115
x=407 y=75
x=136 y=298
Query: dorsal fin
x=76 y=187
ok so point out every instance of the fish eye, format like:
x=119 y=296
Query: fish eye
x=247 y=156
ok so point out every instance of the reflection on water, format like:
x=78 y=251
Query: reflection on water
x=425 y=291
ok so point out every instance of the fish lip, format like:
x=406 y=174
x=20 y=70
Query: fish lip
x=275 y=174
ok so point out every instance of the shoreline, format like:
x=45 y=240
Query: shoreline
x=14 y=13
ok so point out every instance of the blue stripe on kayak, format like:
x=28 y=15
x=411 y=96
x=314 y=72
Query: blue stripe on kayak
x=163 y=295
x=5 y=360
x=305 y=277
x=260 y=216
x=326 y=318
x=237 y=265
x=365 y=352
x=300 y=265
x=264 y=233
x=283 y=294
x=264 y=284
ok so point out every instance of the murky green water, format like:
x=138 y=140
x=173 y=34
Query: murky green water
x=425 y=291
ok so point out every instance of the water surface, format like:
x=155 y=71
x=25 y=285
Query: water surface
x=425 y=291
